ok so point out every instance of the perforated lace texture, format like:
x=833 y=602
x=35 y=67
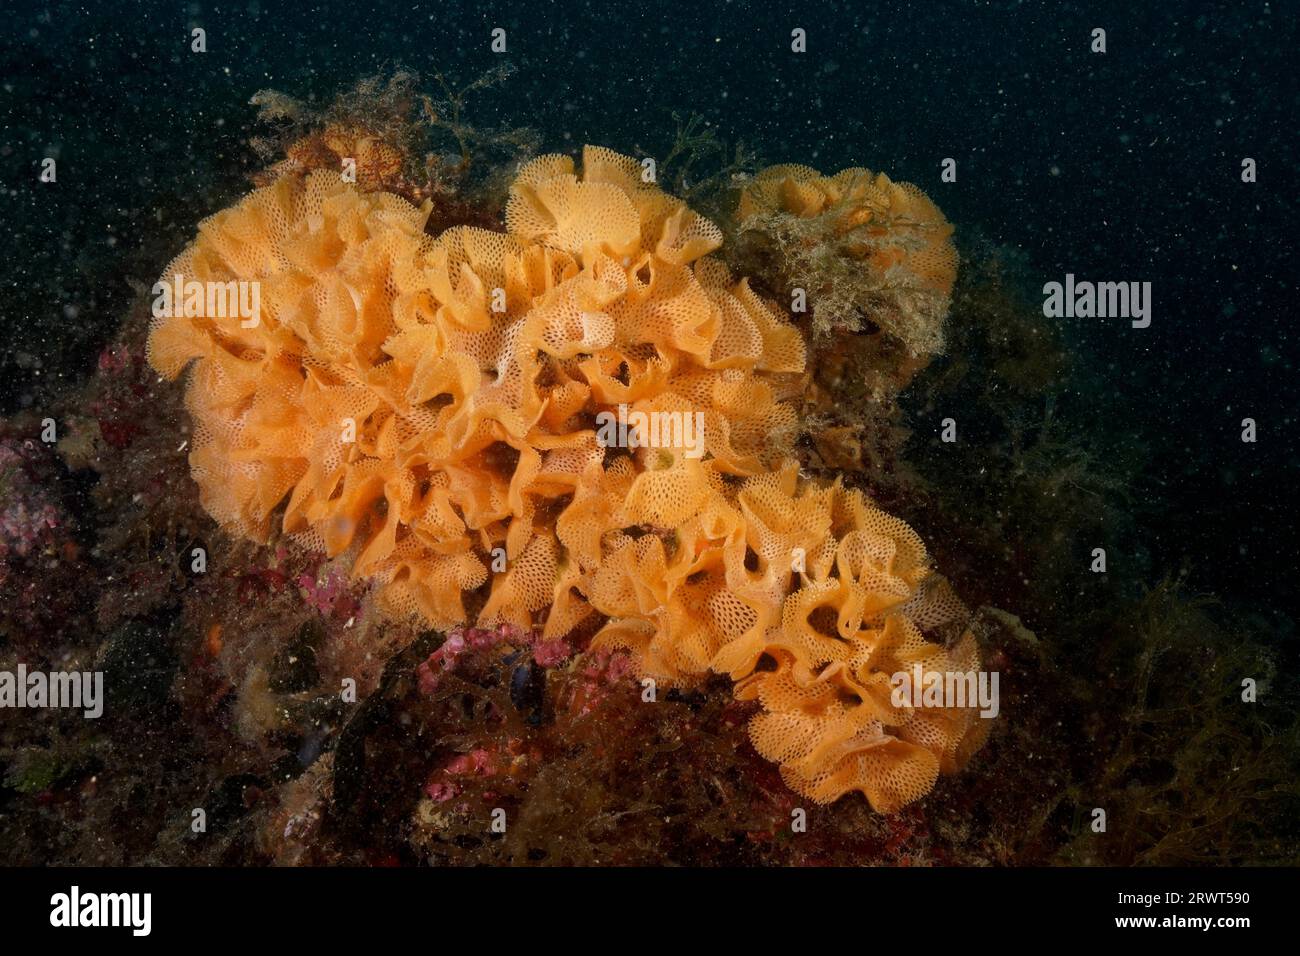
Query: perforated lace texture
x=425 y=406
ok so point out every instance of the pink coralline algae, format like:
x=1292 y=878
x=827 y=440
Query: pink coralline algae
x=600 y=671
x=40 y=568
x=123 y=374
x=329 y=594
x=494 y=759
x=442 y=784
x=22 y=527
x=471 y=652
x=465 y=640
x=27 y=520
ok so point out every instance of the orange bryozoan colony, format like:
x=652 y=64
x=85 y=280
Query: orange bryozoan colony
x=426 y=406
x=873 y=255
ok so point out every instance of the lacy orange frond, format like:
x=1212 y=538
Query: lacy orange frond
x=583 y=422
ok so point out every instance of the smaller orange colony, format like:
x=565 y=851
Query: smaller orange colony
x=898 y=243
x=429 y=409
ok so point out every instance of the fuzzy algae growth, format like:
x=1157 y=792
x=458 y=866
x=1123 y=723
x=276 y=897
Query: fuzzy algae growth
x=872 y=258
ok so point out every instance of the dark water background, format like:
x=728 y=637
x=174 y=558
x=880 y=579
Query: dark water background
x=1117 y=167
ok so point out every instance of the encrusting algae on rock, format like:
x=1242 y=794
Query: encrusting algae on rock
x=430 y=408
